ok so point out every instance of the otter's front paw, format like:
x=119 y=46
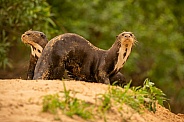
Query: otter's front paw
x=106 y=81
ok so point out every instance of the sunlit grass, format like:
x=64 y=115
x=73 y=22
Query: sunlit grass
x=138 y=98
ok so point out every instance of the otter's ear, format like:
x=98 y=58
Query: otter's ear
x=117 y=36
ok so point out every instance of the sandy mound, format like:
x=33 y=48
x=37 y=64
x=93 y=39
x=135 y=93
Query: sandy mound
x=21 y=101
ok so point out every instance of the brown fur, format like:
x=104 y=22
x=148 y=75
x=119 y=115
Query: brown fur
x=37 y=40
x=82 y=60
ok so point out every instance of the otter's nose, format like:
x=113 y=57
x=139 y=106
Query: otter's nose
x=23 y=35
x=127 y=36
x=26 y=34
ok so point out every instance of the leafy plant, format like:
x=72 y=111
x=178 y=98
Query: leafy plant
x=149 y=95
x=137 y=98
x=17 y=17
x=4 y=48
x=51 y=103
x=105 y=105
x=67 y=104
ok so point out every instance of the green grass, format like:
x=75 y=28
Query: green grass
x=137 y=98
x=148 y=95
x=67 y=104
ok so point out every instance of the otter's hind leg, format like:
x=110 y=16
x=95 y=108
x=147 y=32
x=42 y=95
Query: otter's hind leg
x=58 y=72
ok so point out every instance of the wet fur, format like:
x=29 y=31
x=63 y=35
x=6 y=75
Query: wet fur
x=82 y=60
x=37 y=40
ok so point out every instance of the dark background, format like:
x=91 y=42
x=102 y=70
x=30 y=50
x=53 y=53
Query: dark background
x=158 y=26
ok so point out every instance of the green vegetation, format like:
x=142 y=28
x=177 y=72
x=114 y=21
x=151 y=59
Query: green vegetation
x=135 y=97
x=158 y=26
x=69 y=105
x=4 y=46
x=149 y=95
x=18 y=16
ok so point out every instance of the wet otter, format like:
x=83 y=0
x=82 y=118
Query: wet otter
x=37 y=40
x=82 y=60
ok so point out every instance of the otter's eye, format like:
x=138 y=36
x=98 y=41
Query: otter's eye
x=123 y=34
x=130 y=34
x=28 y=34
x=42 y=35
x=39 y=51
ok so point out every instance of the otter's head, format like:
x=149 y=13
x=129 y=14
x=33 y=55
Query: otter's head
x=125 y=41
x=126 y=38
x=37 y=40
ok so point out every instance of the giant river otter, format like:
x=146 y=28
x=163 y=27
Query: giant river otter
x=37 y=40
x=82 y=60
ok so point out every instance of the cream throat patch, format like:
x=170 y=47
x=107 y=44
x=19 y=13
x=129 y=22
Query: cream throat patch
x=124 y=52
x=36 y=49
